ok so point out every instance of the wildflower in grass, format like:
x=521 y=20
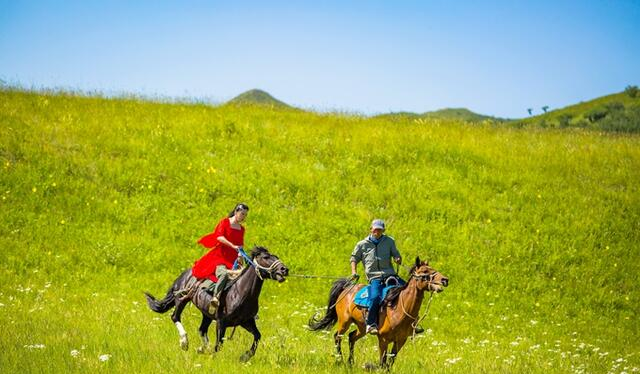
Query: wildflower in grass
x=533 y=322
x=75 y=353
x=34 y=189
x=35 y=346
x=451 y=361
x=104 y=357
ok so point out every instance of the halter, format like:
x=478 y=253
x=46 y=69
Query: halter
x=428 y=277
x=257 y=267
x=269 y=270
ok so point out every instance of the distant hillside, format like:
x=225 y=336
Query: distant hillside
x=260 y=97
x=462 y=114
x=457 y=114
x=617 y=112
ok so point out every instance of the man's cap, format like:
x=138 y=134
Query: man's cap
x=377 y=224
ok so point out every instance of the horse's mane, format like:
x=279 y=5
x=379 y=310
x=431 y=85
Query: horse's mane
x=257 y=250
x=393 y=294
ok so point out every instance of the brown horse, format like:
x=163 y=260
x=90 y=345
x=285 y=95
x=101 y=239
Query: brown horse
x=398 y=315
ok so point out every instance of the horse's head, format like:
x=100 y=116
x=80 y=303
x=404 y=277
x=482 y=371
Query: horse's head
x=428 y=278
x=268 y=265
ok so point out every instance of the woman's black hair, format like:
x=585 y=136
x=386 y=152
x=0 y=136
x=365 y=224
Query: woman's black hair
x=238 y=207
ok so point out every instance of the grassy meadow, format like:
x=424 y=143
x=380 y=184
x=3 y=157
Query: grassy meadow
x=102 y=199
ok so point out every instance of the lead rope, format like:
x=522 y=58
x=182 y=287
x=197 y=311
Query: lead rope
x=416 y=321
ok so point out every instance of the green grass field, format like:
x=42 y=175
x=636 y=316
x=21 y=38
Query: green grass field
x=102 y=199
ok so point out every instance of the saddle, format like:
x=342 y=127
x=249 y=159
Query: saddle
x=208 y=285
x=361 y=299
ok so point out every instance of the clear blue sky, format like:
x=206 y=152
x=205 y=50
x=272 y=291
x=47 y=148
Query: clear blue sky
x=497 y=58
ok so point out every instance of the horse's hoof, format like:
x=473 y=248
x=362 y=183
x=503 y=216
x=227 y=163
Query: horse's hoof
x=184 y=344
x=201 y=350
x=246 y=357
x=370 y=366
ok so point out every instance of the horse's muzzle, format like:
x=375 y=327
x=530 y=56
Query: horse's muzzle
x=281 y=272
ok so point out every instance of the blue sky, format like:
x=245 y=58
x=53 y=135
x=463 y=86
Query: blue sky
x=497 y=58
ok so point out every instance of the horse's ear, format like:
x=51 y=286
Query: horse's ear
x=417 y=261
x=427 y=263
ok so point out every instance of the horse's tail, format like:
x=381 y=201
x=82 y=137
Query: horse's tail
x=331 y=316
x=169 y=301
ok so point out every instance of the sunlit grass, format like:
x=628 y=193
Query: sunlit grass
x=538 y=231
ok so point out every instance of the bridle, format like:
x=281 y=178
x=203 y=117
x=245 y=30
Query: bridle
x=269 y=270
x=428 y=277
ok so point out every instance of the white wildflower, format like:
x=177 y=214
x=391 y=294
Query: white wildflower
x=451 y=361
x=104 y=357
x=35 y=346
x=75 y=353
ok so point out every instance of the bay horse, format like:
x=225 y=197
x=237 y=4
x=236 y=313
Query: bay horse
x=398 y=316
x=238 y=303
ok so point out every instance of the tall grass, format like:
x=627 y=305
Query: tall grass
x=101 y=199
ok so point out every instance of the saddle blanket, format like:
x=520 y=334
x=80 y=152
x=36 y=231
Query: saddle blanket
x=362 y=296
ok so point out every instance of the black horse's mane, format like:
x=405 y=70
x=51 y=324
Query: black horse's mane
x=257 y=250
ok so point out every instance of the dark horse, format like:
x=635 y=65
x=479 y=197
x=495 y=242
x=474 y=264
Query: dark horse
x=238 y=304
x=398 y=314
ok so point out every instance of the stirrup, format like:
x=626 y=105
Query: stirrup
x=213 y=305
x=372 y=329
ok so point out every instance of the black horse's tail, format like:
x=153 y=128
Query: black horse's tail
x=169 y=301
x=331 y=316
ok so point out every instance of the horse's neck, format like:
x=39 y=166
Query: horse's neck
x=249 y=282
x=411 y=298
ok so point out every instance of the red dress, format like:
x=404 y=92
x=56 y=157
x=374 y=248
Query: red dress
x=220 y=253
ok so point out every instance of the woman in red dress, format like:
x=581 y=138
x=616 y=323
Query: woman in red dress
x=224 y=243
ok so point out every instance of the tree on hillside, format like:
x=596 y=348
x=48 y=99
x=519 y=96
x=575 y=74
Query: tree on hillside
x=529 y=110
x=632 y=91
x=545 y=108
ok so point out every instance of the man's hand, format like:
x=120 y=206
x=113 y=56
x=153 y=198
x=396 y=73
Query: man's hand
x=355 y=277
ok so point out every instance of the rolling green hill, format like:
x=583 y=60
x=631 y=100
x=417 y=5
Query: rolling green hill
x=258 y=97
x=462 y=114
x=617 y=112
x=102 y=199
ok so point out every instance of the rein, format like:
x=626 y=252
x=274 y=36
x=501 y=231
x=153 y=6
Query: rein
x=428 y=277
x=257 y=267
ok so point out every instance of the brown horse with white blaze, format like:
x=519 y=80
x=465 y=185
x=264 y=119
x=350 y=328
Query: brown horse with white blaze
x=398 y=315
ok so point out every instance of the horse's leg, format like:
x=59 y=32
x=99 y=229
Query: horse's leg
x=204 y=328
x=354 y=336
x=250 y=325
x=383 y=344
x=220 y=331
x=394 y=351
x=184 y=341
x=337 y=337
